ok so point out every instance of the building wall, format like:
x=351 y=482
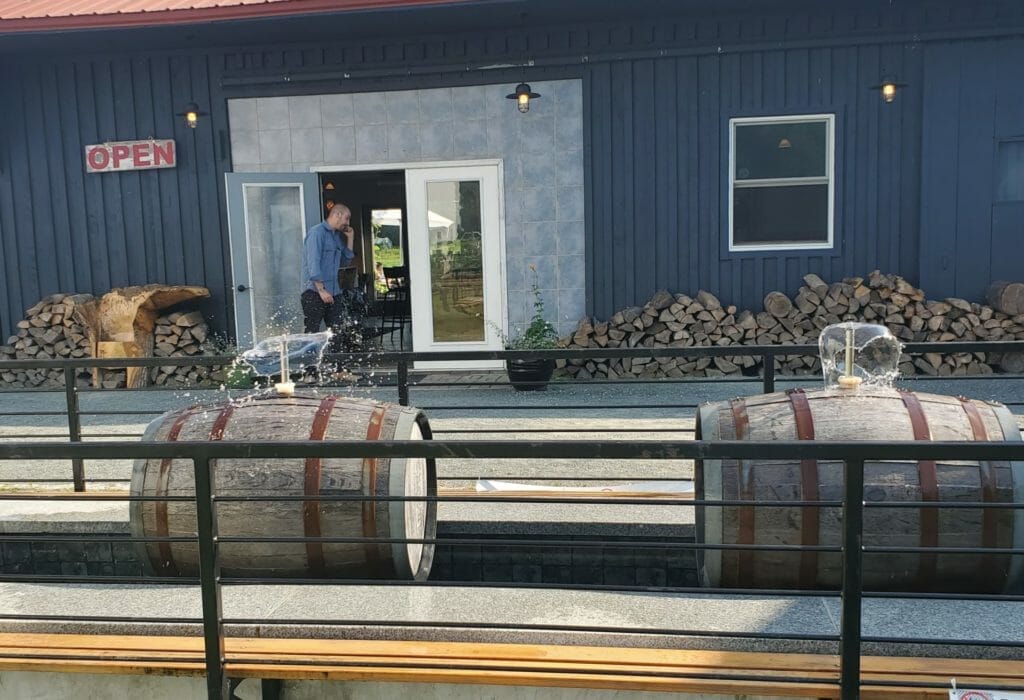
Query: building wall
x=659 y=169
x=542 y=154
x=62 y=230
x=656 y=99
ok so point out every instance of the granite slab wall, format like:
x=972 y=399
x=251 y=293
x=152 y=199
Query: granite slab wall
x=106 y=556
x=615 y=562
x=541 y=152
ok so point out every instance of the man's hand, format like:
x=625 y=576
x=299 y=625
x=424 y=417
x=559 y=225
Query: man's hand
x=325 y=296
x=349 y=234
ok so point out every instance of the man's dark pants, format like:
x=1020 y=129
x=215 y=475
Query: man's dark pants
x=315 y=312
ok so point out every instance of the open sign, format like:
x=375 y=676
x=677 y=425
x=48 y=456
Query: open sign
x=130 y=155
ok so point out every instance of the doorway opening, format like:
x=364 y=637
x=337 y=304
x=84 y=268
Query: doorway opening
x=429 y=254
x=381 y=266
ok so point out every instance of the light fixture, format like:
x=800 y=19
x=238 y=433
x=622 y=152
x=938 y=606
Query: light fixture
x=785 y=143
x=522 y=96
x=888 y=89
x=191 y=114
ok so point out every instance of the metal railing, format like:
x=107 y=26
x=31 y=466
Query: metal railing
x=205 y=457
x=403 y=381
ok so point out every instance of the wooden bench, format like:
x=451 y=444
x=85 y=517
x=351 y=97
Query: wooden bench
x=612 y=668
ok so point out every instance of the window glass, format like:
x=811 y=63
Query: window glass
x=275 y=226
x=793 y=149
x=781 y=182
x=1010 y=172
x=387 y=237
x=454 y=216
x=797 y=214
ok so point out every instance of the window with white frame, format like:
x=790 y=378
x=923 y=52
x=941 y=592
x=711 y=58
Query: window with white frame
x=781 y=182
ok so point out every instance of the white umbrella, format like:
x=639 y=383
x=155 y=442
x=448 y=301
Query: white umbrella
x=393 y=217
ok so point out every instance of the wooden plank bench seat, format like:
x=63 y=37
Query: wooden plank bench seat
x=612 y=668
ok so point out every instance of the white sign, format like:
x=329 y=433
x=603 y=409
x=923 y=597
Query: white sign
x=130 y=155
x=984 y=695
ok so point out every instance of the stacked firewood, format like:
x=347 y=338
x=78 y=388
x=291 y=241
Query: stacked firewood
x=678 y=320
x=180 y=334
x=50 y=330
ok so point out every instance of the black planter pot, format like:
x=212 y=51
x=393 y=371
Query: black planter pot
x=529 y=375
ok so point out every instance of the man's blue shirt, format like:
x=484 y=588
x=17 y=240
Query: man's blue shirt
x=324 y=252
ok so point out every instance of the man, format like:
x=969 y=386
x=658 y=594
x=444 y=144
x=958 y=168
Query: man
x=327 y=247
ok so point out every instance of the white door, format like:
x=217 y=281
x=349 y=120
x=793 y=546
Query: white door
x=268 y=216
x=456 y=248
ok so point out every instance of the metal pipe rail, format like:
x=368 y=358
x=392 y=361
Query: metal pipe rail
x=853 y=455
x=404 y=361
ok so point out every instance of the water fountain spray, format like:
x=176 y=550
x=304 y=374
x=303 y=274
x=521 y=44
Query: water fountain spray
x=274 y=356
x=855 y=354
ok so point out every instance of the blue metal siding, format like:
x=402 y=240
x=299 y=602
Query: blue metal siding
x=19 y=233
x=976 y=104
x=10 y=264
x=974 y=99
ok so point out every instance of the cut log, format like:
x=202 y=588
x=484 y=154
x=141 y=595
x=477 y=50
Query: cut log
x=777 y=304
x=1007 y=297
x=708 y=300
x=1012 y=362
x=816 y=284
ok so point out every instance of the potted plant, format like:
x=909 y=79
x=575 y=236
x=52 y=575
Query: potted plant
x=539 y=334
x=239 y=376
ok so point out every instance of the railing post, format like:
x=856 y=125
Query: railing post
x=851 y=594
x=209 y=581
x=74 y=425
x=403 y=382
x=768 y=361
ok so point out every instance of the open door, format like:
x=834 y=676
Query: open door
x=455 y=257
x=268 y=216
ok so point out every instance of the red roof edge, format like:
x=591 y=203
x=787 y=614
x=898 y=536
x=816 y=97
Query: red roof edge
x=211 y=14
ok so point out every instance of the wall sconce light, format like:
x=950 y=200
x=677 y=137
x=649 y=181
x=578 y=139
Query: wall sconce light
x=785 y=143
x=522 y=96
x=888 y=89
x=191 y=115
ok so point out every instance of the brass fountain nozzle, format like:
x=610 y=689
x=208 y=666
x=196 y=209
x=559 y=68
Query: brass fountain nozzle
x=285 y=387
x=849 y=380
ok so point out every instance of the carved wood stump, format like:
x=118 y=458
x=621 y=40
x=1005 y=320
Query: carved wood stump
x=121 y=323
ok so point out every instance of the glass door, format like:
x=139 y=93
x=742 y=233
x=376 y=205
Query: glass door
x=268 y=216
x=455 y=257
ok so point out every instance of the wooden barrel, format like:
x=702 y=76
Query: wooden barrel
x=866 y=414
x=298 y=418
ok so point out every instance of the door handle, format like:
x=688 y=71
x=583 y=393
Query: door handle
x=242 y=288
